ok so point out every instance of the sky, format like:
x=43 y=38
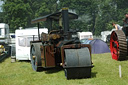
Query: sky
x=1 y=2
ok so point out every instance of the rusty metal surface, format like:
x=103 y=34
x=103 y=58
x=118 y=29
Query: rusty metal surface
x=47 y=55
x=43 y=56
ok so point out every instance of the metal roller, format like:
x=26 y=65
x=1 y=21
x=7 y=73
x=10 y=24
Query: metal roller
x=35 y=54
x=77 y=63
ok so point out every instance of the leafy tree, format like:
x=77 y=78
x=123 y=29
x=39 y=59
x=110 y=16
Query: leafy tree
x=18 y=13
x=21 y=12
x=86 y=11
x=94 y=15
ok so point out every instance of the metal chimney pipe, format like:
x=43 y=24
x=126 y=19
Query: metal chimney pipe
x=65 y=19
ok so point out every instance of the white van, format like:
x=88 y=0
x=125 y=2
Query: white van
x=85 y=35
x=105 y=34
x=23 y=38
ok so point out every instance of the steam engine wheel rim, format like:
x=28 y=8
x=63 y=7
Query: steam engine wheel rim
x=33 y=60
x=114 y=46
x=118 y=45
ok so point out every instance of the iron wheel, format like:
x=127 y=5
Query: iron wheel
x=35 y=57
x=118 y=45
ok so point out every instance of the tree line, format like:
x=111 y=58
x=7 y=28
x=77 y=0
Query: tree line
x=94 y=15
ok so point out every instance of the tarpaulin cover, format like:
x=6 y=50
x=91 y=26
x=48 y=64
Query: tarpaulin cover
x=97 y=46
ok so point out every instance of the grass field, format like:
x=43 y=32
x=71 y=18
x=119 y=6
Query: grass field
x=104 y=72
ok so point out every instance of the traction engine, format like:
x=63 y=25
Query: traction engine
x=61 y=47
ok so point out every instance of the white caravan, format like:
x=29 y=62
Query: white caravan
x=85 y=35
x=4 y=33
x=23 y=38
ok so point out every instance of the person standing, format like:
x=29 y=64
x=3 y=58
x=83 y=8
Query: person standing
x=125 y=21
x=125 y=24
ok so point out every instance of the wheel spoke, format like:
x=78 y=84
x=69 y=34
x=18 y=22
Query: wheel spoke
x=112 y=40
x=115 y=37
x=116 y=42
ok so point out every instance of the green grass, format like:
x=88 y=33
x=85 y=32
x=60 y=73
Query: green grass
x=104 y=72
